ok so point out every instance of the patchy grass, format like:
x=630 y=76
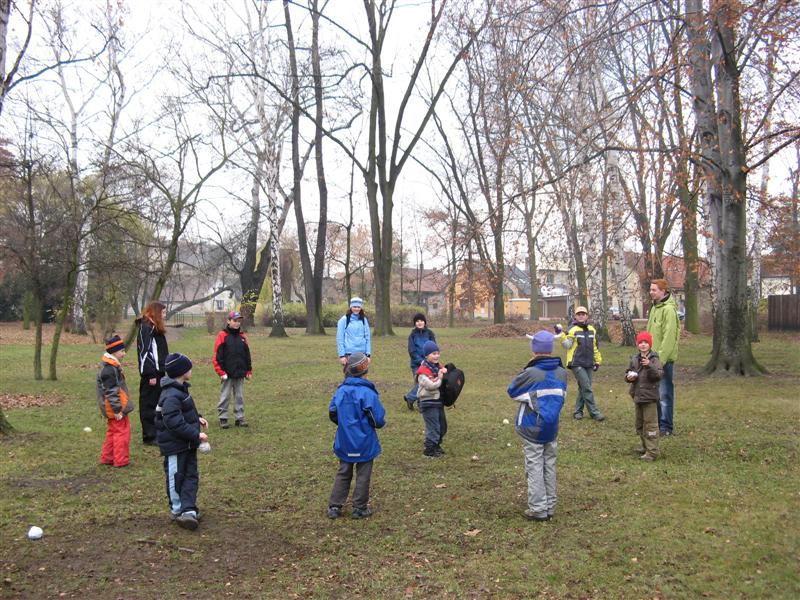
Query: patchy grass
x=717 y=517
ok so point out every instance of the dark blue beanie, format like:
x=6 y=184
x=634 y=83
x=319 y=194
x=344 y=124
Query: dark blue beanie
x=430 y=346
x=177 y=364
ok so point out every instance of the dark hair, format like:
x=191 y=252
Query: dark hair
x=361 y=315
x=419 y=317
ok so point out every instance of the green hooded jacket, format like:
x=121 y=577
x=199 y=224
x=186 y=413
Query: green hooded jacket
x=665 y=327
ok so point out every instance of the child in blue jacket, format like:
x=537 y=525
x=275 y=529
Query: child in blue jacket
x=352 y=332
x=539 y=391
x=357 y=410
x=416 y=342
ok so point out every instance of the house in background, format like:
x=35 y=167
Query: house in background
x=775 y=280
x=426 y=288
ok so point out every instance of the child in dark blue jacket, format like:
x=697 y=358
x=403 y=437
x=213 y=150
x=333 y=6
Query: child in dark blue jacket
x=416 y=342
x=357 y=410
x=178 y=427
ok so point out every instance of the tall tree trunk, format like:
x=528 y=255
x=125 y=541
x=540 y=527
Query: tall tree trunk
x=619 y=270
x=723 y=160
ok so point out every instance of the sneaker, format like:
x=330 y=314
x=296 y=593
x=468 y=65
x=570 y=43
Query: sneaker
x=439 y=451
x=241 y=423
x=361 y=513
x=647 y=457
x=640 y=451
x=534 y=516
x=187 y=520
x=599 y=418
x=223 y=423
x=577 y=416
x=334 y=512
x=431 y=453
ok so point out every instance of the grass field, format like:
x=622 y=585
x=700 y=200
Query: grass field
x=716 y=517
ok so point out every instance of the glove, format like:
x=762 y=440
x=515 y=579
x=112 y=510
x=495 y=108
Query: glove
x=558 y=328
x=596 y=366
x=224 y=377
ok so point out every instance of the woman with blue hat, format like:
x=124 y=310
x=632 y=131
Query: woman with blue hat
x=352 y=332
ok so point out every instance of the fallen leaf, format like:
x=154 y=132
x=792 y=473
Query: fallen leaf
x=440 y=486
x=472 y=532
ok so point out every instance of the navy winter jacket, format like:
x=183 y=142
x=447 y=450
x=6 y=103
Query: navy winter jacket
x=356 y=408
x=416 y=340
x=177 y=420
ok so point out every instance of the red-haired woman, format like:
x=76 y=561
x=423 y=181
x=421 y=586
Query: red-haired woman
x=151 y=346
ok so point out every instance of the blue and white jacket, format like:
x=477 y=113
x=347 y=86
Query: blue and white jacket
x=357 y=410
x=354 y=337
x=540 y=390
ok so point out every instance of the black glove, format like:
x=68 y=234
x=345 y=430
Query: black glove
x=596 y=366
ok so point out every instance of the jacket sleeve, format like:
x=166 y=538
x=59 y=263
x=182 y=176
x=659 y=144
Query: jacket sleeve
x=569 y=338
x=247 y=357
x=367 y=337
x=172 y=418
x=427 y=383
x=669 y=333
x=598 y=358
x=333 y=411
x=340 y=327
x=412 y=348
x=110 y=383
x=144 y=343
x=218 y=360
x=655 y=371
x=374 y=411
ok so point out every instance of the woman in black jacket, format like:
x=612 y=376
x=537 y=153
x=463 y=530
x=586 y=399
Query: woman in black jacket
x=151 y=347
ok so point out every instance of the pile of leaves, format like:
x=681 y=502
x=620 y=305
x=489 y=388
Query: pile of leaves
x=9 y=401
x=505 y=330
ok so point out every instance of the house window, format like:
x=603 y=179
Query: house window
x=550 y=279
x=220 y=304
x=435 y=306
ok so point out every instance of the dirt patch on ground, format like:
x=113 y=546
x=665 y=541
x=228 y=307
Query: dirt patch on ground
x=9 y=401
x=73 y=485
x=146 y=557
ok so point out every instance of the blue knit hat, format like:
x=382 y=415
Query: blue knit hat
x=177 y=364
x=542 y=342
x=430 y=346
x=356 y=302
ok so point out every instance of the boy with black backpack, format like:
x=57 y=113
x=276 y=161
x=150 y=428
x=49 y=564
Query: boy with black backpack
x=430 y=375
x=540 y=390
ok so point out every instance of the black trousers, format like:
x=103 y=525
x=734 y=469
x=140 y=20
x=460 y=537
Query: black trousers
x=183 y=480
x=341 y=484
x=148 y=400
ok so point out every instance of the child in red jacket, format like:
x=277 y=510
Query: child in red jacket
x=233 y=365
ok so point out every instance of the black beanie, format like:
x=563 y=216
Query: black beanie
x=177 y=364
x=419 y=317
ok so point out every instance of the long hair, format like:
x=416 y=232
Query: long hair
x=362 y=315
x=153 y=312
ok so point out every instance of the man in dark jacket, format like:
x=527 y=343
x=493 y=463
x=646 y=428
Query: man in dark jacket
x=416 y=342
x=233 y=365
x=179 y=434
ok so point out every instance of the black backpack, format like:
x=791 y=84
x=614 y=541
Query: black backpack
x=452 y=385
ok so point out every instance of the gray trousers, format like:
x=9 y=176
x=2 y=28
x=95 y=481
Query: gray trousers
x=540 y=471
x=585 y=394
x=341 y=484
x=435 y=425
x=237 y=387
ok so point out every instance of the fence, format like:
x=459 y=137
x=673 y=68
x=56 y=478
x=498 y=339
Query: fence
x=783 y=312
